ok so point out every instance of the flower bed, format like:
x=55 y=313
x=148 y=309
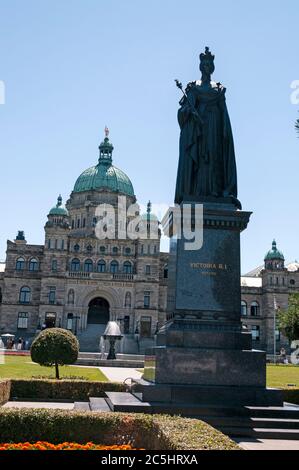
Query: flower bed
x=42 y=445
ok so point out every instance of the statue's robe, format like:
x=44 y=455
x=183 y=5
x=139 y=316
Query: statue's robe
x=207 y=165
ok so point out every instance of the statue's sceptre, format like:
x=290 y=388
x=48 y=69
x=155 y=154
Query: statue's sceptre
x=180 y=86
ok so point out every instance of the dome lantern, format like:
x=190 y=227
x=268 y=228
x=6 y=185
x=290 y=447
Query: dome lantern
x=106 y=149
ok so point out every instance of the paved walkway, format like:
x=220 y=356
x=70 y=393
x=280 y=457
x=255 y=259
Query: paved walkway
x=40 y=404
x=119 y=374
x=267 y=444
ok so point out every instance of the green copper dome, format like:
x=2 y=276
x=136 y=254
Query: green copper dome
x=104 y=175
x=58 y=209
x=274 y=253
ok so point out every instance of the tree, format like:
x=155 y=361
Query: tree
x=55 y=346
x=297 y=125
x=289 y=318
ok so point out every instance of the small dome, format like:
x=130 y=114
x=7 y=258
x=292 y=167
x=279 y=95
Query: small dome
x=149 y=216
x=274 y=254
x=104 y=176
x=59 y=209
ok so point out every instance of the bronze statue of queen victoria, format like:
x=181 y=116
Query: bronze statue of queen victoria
x=207 y=165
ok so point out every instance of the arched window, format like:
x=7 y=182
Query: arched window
x=75 y=265
x=20 y=264
x=128 y=251
x=165 y=271
x=101 y=267
x=89 y=248
x=76 y=248
x=115 y=250
x=254 y=309
x=243 y=308
x=102 y=249
x=128 y=269
x=128 y=300
x=25 y=295
x=114 y=267
x=33 y=265
x=49 y=244
x=71 y=297
x=88 y=266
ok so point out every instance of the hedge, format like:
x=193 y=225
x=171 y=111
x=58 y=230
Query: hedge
x=151 y=432
x=291 y=395
x=5 y=388
x=72 y=390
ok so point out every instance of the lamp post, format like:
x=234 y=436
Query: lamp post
x=276 y=308
x=76 y=318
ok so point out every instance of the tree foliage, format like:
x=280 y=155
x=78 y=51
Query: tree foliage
x=289 y=318
x=55 y=347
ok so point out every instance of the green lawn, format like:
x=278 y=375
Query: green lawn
x=21 y=367
x=281 y=376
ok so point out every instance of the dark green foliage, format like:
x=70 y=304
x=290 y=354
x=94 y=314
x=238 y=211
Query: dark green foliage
x=55 y=346
x=289 y=319
x=150 y=432
x=73 y=390
x=5 y=386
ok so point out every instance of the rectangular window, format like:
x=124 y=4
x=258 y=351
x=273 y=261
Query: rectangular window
x=23 y=320
x=255 y=331
x=62 y=244
x=52 y=295
x=147 y=299
x=147 y=270
x=54 y=265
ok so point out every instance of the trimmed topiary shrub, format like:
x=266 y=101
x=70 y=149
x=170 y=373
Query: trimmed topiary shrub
x=5 y=387
x=72 y=390
x=55 y=347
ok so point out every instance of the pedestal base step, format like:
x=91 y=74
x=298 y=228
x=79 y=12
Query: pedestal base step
x=244 y=421
x=98 y=404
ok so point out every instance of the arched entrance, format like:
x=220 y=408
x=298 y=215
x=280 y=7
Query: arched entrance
x=98 y=311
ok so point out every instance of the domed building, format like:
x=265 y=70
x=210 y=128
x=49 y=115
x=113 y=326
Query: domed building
x=266 y=290
x=89 y=270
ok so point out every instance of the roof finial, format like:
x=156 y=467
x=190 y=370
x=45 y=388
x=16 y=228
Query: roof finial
x=106 y=132
x=149 y=207
x=59 y=201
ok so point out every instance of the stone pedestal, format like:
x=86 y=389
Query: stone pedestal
x=203 y=354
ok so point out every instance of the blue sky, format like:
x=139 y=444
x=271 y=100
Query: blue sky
x=71 y=66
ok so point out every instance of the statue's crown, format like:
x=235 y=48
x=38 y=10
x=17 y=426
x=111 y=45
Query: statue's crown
x=207 y=55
